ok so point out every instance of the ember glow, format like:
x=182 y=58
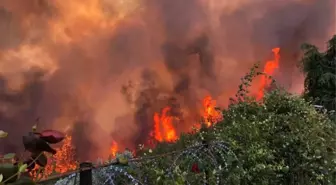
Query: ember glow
x=63 y=161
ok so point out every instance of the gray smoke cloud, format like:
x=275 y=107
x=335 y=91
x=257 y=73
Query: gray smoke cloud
x=67 y=67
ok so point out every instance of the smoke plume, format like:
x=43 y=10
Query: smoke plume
x=99 y=69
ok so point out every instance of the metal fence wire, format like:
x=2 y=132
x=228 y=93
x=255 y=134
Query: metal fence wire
x=215 y=156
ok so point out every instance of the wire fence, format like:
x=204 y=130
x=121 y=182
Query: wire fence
x=188 y=163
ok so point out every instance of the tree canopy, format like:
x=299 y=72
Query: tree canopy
x=320 y=71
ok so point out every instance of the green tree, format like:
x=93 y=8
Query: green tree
x=320 y=74
x=283 y=140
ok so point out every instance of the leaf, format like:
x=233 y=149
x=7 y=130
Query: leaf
x=23 y=168
x=24 y=181
x=122 y=160
x=3 y=134
x=8 y=172
x=9 y=156
x=41 y=160
x=52 y=136
x=31 y=164
x=34 y=144
x=1 y=177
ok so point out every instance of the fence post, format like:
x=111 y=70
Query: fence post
x=85 y=174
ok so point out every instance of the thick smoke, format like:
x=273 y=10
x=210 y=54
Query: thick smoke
x=66 y=62
x=259 y=26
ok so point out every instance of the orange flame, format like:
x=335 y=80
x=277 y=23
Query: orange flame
x=163 y=126
x=269 y=69
x=62 y=162
x=210 y=114
x=65 y=157
x=114 y=148
x=164 y=129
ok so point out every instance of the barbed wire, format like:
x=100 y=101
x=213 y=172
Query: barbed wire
x=194 y=149
x=114 y=163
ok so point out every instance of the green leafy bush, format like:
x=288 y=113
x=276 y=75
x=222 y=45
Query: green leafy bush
x=281 y=141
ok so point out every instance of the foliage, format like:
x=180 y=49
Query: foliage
x=320 y=70
x=13 y=171
x=282 y=140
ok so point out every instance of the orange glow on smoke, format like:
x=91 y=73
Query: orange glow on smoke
x=269 y=69
x=163 y=126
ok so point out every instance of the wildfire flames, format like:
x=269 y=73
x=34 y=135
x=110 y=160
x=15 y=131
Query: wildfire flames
x=164 y=129
x=68 y=63
x=114 y=149
x=164 y=125
x=269 y=69
x=210 y=114
x=63 y=161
